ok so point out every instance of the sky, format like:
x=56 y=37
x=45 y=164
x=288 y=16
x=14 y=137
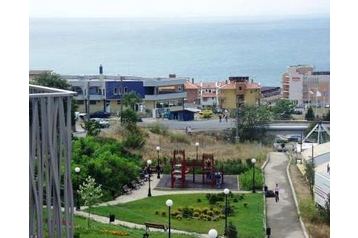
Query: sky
x=175 y=8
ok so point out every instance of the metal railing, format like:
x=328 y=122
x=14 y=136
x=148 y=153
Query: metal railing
x=50 y=163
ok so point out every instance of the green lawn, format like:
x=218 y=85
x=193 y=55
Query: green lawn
x=248 y=219
x=101 y=230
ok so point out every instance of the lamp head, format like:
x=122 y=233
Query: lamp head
x=213 y=233
x=169 y=202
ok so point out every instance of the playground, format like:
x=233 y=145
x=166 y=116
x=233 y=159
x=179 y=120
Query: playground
x=198 y=173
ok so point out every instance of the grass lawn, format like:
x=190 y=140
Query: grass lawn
x=101 y=230
x=246 y=213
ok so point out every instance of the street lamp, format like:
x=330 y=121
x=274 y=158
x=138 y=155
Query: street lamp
x=149 y=162
x=169 y=203
x=158 y=167
x=213 y=233
x=253 y=161
x=197 y=157
x=78 y=206
x=226 y=192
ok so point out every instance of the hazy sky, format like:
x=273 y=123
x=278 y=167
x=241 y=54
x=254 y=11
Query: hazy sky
x=175 y=8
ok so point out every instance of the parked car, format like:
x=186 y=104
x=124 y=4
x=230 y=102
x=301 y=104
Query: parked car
x=100 y=114
x=103 y=123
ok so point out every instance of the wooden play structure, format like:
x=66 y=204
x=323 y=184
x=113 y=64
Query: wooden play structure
x=180 y=167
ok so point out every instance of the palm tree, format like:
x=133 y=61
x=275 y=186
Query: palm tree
x=131 y=99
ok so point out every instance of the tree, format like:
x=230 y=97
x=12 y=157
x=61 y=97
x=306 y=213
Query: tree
x=310 y=175
x=131 y=99
x=310 y=114
x=327 y=116
x=283 y=109
x=55 y=81
x=253 y=122
x=93 y=128
x=91 y=194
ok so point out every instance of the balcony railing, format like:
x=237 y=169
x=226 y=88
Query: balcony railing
x=49 y=153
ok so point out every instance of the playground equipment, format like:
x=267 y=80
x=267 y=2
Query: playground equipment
x=180 y=167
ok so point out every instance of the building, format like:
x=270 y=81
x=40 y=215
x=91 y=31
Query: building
x=239 y=91
x=321 y=155
x=209 y=94
x=103 y=92
x=306 y=87
x=192 y=94
x=165 y=96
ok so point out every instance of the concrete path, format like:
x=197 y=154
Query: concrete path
x=282 y=216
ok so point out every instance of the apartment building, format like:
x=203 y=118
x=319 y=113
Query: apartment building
x=209 y=93
x=306 y=87
x=239 y=91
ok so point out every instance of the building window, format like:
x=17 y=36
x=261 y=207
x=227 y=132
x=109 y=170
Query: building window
x=240 y=88
x=115 y=91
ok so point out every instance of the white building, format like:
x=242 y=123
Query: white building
x=306 y=87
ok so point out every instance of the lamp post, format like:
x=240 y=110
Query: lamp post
x=226 y=192
x=169 y=203
x=253 y=161
x=158 y=167
x=149 y=162
x=213 y=233
x=78 y=206
x=197 y=157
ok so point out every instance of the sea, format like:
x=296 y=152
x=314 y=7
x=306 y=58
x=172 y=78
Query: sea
x=202 y=49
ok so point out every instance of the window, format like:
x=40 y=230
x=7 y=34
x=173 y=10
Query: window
x=115 y=91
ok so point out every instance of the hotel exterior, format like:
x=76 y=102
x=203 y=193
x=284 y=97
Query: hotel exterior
x=306 y=87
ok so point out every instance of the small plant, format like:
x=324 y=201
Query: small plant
x=164 y=214
x=245 y=204
x=91 y=194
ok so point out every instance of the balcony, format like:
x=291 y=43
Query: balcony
x=166 y=96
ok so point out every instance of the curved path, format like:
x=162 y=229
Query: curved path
x=282 y=216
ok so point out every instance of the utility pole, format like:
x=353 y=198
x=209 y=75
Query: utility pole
x=121 y=78
x=237 y=137
x=88 y=100
x=103 y=87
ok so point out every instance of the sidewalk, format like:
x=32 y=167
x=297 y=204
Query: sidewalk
x=282 y=216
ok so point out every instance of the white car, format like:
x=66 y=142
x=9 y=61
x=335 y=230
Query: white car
x=103 y=123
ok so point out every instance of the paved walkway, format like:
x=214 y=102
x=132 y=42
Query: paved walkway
x=281 y=217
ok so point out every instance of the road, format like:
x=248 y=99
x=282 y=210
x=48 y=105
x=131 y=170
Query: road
x=214 y=124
